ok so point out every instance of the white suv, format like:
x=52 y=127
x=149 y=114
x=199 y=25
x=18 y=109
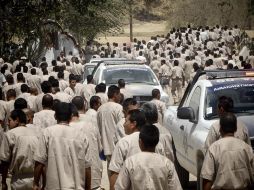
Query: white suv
x=189 y=122
x=140 y=79
x=89 y=67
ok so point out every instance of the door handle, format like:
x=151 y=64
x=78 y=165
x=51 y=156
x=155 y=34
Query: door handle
x=182 y=127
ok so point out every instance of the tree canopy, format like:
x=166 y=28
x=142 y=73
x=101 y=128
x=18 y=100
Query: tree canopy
x=21 y=21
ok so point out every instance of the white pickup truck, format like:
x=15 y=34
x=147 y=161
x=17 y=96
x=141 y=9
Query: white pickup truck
x=189 y=122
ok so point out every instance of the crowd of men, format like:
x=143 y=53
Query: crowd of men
x=55 y=131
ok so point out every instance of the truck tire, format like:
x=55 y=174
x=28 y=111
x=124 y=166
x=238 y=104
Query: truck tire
x=182 y=173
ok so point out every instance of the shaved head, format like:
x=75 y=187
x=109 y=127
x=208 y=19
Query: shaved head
x=79 y=102
x=47 y=101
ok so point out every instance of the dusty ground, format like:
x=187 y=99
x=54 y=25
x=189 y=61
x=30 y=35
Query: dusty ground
x=141 y=30
x=250 y=33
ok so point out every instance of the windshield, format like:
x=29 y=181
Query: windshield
x=88 y=70
x=130 y=75
x=241 y=92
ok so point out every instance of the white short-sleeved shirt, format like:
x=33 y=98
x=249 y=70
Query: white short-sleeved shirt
x=9 y=108
x=120 y=133
x=126 y=93
x=63 y=85
x=35 y=82
x=79 y=89
x=91 y=116
x=3 y=111
x=161 y=107
x=17 y=148
x=70 y=91
x=126 y=147
x=7 y=87
x=65 y=152
x=103 y=97
x=229 y=164
x=88 y=91
x=94 y=138
x=108 y=115
x=166 y=141
x=63 y=97
x=2 y=79
x=38 y=102
x=146 y=170
x=44 y=118
x=214 y=133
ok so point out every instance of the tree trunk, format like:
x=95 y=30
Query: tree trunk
x=250 y=15
x=131 y=21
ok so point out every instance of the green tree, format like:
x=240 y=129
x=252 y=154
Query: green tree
x=23 y=21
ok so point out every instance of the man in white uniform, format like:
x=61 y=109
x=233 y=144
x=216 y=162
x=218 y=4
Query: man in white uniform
x=166 y=140
x=10 y=82
x=128 y=145
x=65 y=153
x=81 y=105
x=17 y=151
x=62 y=83
x=161 y=107
x=229 y=162
x=46 y=88
x=77 y=68
x=34 y=80
x=45 y=117
x=123 y=90
x=147 y=169
x=100 y=90
x=177 y=81
x=9 y=105
x=128 y=104
x=109 y=114
x=70 y=90
x=165 y=74
x=93 y=135
x=91 y=114
x=89 y=88
x=226 y=104
x=2 y=79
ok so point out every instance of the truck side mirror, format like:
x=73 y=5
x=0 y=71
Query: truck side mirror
x=186 y=113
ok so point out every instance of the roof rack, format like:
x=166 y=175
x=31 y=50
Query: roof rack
x=122 y=62
x=108 y=59
x=216 y=74
x=116 y=62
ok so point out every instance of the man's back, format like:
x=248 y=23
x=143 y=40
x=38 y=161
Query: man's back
x=109 y=114
x=161 y=107
x=147 y=170
x=35 y=82
x=17 y=147
x=44 y=118
x=214 y=133
x=126 y=147
x=66 y=153
x=63 y=97
x=229 y=163
x=94 y=139
x=103 y=96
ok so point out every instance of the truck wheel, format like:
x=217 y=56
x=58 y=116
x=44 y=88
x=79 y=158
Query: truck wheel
x=182 y=173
